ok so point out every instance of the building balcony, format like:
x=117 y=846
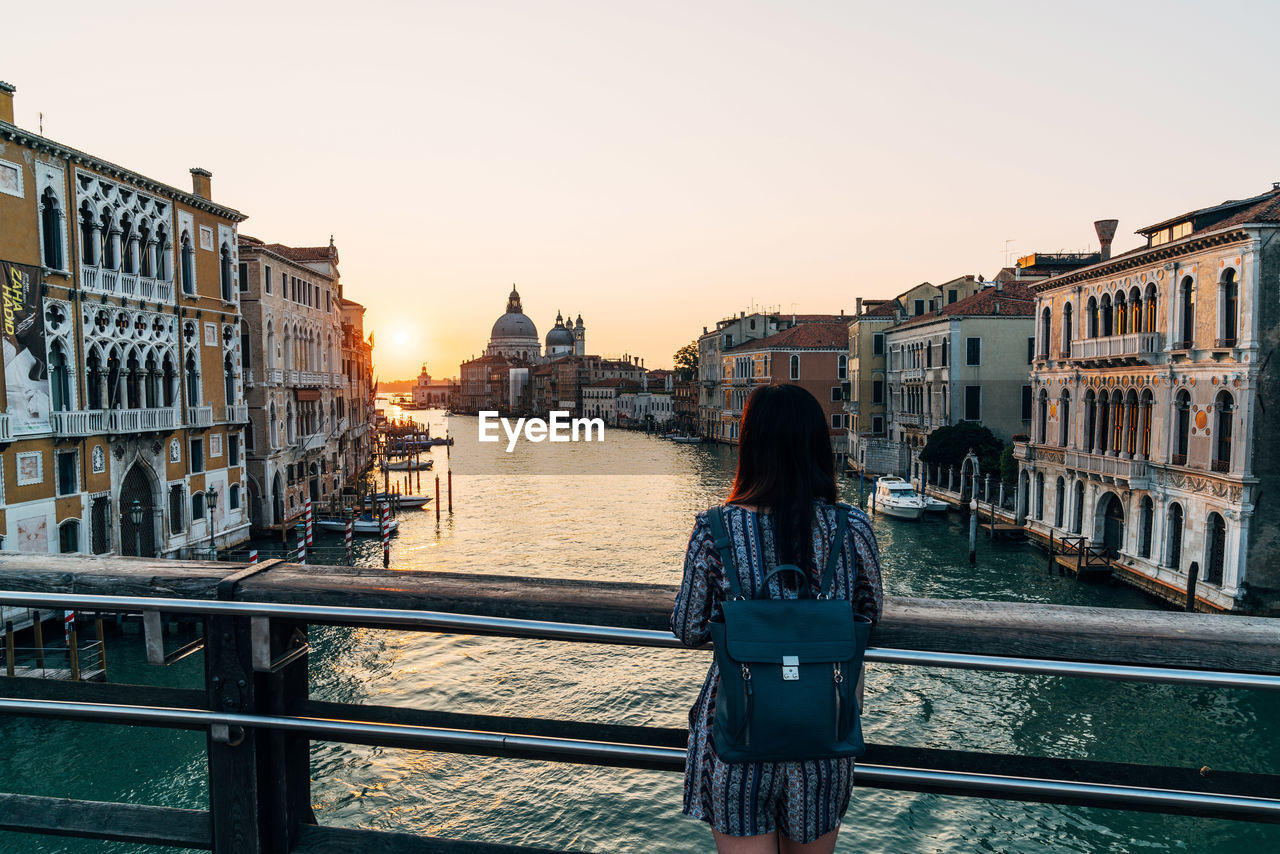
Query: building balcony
x=141 y=420
x=248 y=379
x=6 y=434
x=236 y=413
x=72 y=425
x=117 y=283
x=913 y=375
x=313 y=441
x=1130 y=473
x=1024 y=451
x=851 y=406
x=199 y=416
x=273 y=376
x=1132 y=349
x=128 y=285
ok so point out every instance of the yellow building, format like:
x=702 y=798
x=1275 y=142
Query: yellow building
x=122 y=390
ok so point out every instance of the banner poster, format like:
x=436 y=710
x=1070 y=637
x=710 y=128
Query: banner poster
x=26 y=378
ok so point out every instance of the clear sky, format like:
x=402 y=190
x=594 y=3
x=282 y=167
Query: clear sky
x=656 y=166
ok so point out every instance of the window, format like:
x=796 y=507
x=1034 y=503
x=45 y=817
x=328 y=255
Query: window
x=973 y=351
x=1217 y=549
x=51 y=230
x=1182 y=433
x=842 y=367
x=877 y=344
x=973 y=402
x=67 y=481
x=952 y=296
x=928 y=355
x=197 y=455
x=177 y=520
x=1223 y=408
x=1031 y=350
x=244 y=278
x=877 y=392
x=919 y=307
x=233 y=449
x=837 y=421
x=233 y=497
x=1175 y=535
x=1059 y=502
x=187 y=260
x=266 y=278
x=836 y=396
x=1228 y=306
x=1042 y=417
x=1026 y=403
x=795 y=367
x=225 y=272
x=1040 y=495
x=1145 y=514
x=69 y=537
x=877 y=423
x=197 y=506
x=946 y=347
x=1186 y=313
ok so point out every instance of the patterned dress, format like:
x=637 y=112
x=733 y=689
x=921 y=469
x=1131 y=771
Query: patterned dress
x=801 y=800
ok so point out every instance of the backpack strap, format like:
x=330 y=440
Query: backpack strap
x=837 y=545
x=715 y=518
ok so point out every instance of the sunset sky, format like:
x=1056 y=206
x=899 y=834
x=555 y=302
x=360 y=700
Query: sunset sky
x=656 y=166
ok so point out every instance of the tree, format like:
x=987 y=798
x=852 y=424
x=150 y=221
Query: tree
x=686 y=361
x=948 y=446
x=1008 y=465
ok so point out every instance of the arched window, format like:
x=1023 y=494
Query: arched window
x=128 y=243
x=170 y=382
x=945 y=351
x=188 y=261
x=1059 y=502
x=1186 y=314
x=151 y=383
x=193 y=381
x=1064 y=418
x=1107 y=316
x=1182 y=427
x=69 y=537
x=59 y=379
x=1228 y=308
x=1135 y=309
x=1117 y=421
x=1067 y=331
x=88 y=237
x=1042 y=417
x=51 y=230
x=842 y=367
x=1145 y=518
x=1152 y=299
x=1091 y=310
x=226 y=273
x=291 y=428
x=1223 y=409
x=270 y=356
x=1175 y=535
x=229 y=380
x=1145 y=407
x=1217 y=557
x=147 y=261
x=795 y=367
x=1077 y=515
x=1046 y=318
x=233 y=497
x=133 y=382
x=110 y=254
x=1131 y=422
x=162 y=253
x=1040 y=495
x=1103 y=423
x=93 y=362
x=1090 y=420
x=1122 y=314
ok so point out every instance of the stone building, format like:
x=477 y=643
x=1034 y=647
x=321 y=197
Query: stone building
x=298 y=394
x=965 y=361
x=1151 y=435
x=358 y=435
x=813 y=355
x=122 y=387
x=431 y=393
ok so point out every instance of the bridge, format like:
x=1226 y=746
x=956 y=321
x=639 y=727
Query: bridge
x=256 y=710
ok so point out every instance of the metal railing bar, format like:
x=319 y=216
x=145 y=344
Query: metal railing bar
x=576 y=632
x=881 y=776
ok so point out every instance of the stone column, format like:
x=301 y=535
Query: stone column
x=1144 y=416
x=986 y=488
x=951 y=479
x=1127 y=421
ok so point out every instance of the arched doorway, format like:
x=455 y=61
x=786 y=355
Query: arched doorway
x=140 y=539
x=1110 y=518
x=255 y=504
x=277 y=500
x=1217 y=549
x=1077 y=519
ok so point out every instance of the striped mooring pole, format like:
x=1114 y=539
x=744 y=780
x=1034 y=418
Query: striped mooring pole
x=350 y=526
x=386 y=537
x=302 y=542
x=253 y=556
x=310 y=535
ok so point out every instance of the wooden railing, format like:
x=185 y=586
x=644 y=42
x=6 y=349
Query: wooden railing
x=255 y=703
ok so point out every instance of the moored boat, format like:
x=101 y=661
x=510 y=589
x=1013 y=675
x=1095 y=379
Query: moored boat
x=365 y=525
x=895 y=497
x=404 y=502
x=409 y=465
x=687 y=440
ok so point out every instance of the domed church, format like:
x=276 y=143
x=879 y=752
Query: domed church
x=515 y=337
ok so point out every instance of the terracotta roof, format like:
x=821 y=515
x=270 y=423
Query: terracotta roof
x=1266 y=209
x=614 y=382
x=1016 y=300
x=804 y=336
x=299 y=253
x=1261 y=208
x=886 y=308
x=815 y=318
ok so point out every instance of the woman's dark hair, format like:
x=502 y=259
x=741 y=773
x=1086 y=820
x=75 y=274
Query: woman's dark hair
x=785 y=462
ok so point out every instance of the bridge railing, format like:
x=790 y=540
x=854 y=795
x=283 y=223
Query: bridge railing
x=260 y=720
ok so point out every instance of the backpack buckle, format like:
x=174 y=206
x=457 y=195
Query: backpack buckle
x=790 y=668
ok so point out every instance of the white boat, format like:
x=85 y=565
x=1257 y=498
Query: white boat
x=687 y=440
x=404 y=502
x=363 y=525
x=933 y=505
x=895 y=497
x=408 y=465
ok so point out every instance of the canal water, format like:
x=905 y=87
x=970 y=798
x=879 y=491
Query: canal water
x=634 y=527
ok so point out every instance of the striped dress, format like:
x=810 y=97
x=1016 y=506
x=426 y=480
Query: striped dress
x=801 y=800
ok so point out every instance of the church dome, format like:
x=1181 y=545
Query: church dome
x=514 y=324
x=560 y=335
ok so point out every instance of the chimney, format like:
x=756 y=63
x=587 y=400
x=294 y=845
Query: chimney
x=858 y=307
x=1000 y=285
x=1106 y=229
x=200 y=182
x=997 y=307
x=6 y=101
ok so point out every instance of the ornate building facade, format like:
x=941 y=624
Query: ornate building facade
x=1151 y=435
x=123 y=389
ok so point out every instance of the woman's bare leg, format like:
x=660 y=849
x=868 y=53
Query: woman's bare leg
x=765 y=843
x=822 y=845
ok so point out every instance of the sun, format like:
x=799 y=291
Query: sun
x=401 y=338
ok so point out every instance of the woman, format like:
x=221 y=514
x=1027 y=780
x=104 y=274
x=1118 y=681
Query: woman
x=786 y=481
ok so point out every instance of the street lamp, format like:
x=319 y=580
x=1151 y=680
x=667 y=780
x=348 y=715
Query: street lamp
x=135 y=515
x=211 y=498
